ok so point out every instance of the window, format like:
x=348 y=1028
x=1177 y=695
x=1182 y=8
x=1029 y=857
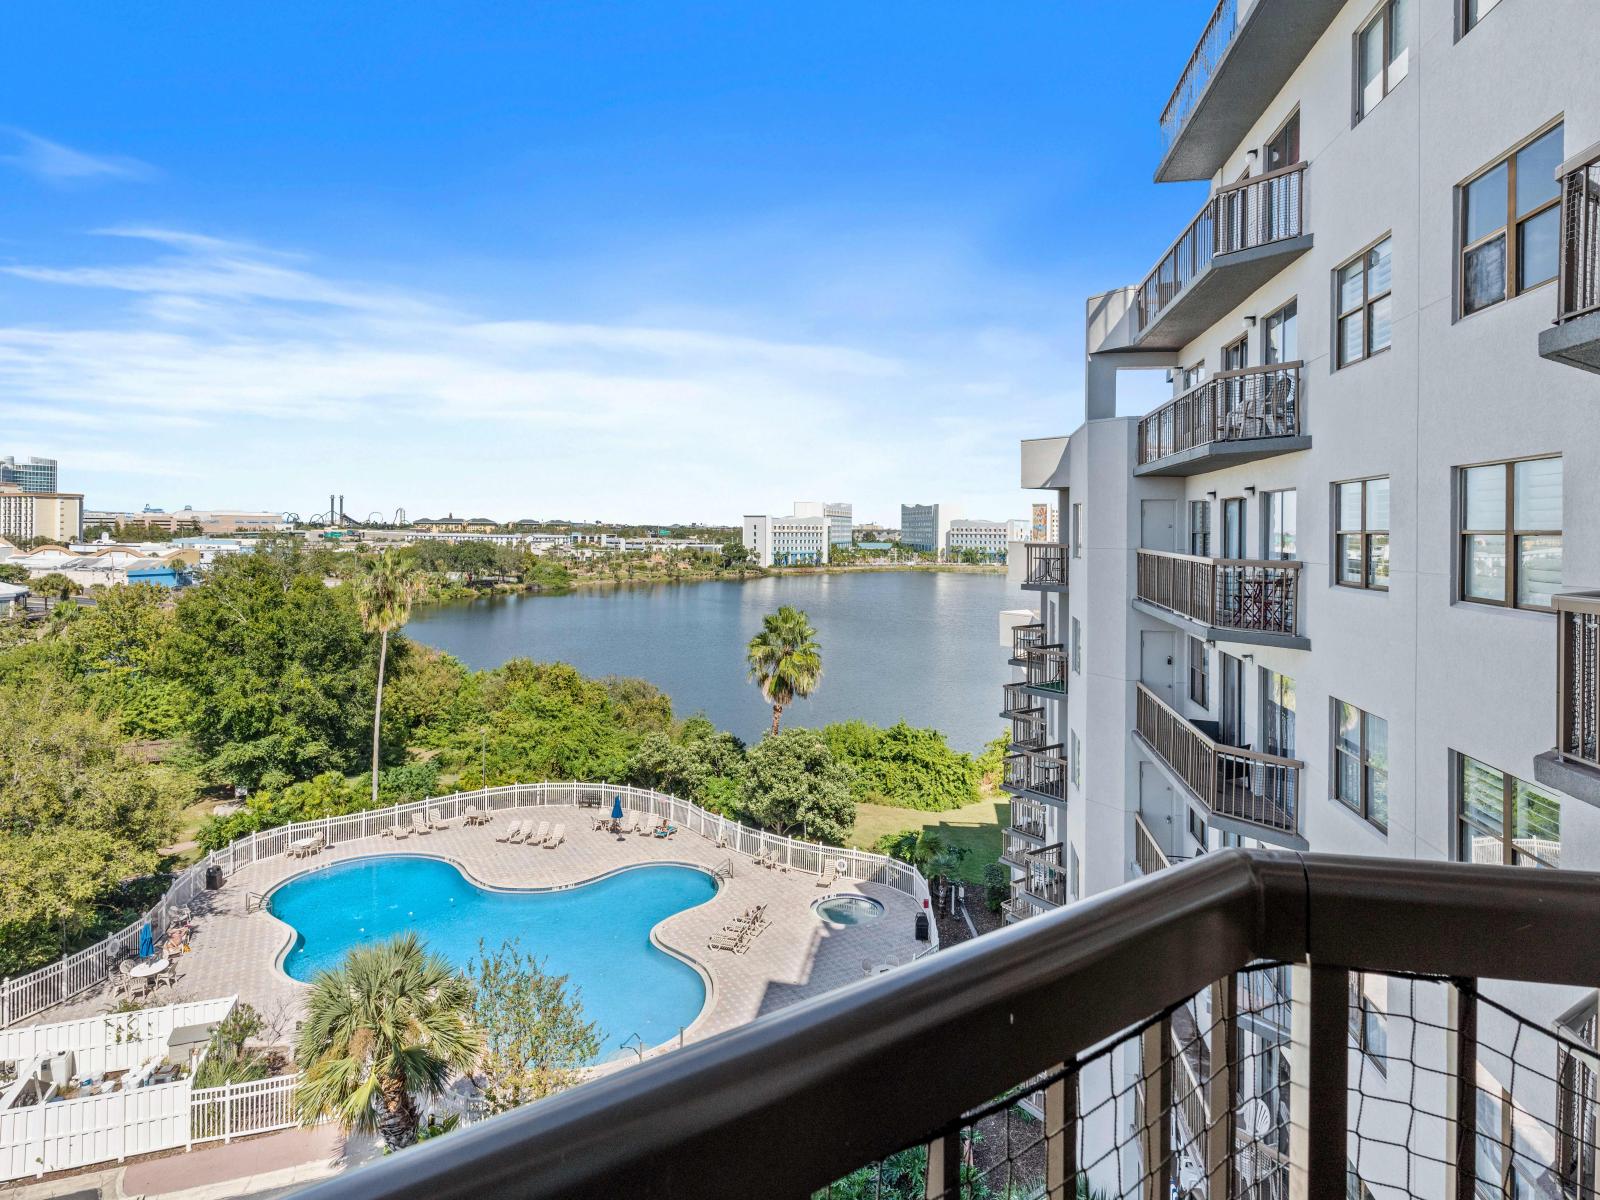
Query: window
x=1277 y=713
x=1473 y=11
x=1077 y=646
x=1382 y=57
x=1511 y=532
x=1369 y=1016
x=1200 y=528
x=1191 y=377
x=1077 y=531
x=1361 y=298
x=1199 y=673
x=1510 y=218
x=1074 y=872
x=1279 y=342
x=1197 y=829
x=1077 y=759
x=1501 y=819
x=1277 y=524
x=1233 y=527
x=1361 y=533
x=1283 y=150
x=1236 y=357
x=1361 y=763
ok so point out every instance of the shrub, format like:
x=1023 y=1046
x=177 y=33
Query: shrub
x=996 y=885
x=904 y=766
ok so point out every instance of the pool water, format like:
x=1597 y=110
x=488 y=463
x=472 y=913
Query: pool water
x=848 y=910
x=597 y=934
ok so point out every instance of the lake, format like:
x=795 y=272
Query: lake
x=919 y=646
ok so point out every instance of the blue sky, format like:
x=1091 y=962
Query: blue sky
x=600 y=260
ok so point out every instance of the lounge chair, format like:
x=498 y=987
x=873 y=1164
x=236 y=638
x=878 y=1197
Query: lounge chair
x=557 y=836
x=513 y=833
x=826 y=877
x=666 y=829
x=537 y=839
x=437 y=822
x=418 y=825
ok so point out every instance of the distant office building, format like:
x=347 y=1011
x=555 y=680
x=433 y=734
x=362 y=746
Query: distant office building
x=988 y=538
x=839 y=513
x=925 y=527
x=873 y=532
x=57 y=516
x=31 y=475
x=788 y=541
x=1046 y=525
x=207 y=521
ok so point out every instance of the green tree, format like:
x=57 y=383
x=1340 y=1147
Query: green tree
x=794 y=784
x=54 y=586
x=383 y=598
x=12 y=573
x=904 y=766
x=785 y=660
x=701 y=764
x=736 y=554
x=535 y=1040
x=391 y=1023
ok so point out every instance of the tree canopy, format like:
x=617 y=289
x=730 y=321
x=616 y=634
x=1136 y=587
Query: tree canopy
x=794 y=785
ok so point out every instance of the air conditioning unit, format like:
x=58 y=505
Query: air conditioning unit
x=58 y=1068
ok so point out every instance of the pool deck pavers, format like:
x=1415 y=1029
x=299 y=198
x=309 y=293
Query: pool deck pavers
x=798 y=956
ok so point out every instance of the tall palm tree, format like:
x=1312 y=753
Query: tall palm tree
x=785 y=660
x=383 y=595
x=390 y=1023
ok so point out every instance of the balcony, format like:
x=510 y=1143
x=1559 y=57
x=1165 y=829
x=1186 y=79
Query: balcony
x=1233 y=417
x=1575 y=338
x=1045 y=672
x=1573 y=766
x=1020 y=907
x=1023 y=639
x=1255 y=601
x=907 y=1083
x=1019 y=704
x=1237 y=69
x=1037 y=774
x=1029 y=821
x=1242 y=790
x=1244 y=235
x=1045 y=567
x=1044 y=879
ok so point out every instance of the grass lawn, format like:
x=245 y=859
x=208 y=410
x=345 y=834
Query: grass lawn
x=976 y=827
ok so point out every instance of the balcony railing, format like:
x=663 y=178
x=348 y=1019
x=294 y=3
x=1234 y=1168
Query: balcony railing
x=1148 y=855
x=1046 y=669
x=1018 y=705
x=1021 y=906
x=1031 y=733
x=1025 y=638
x=1044 y=878
x=1244 y=594
x=1234 y=782
x=1578 y=678
x=1028 y=819
x=907 y=1083
x=1016 y=848
x=1042 y=772
x=1241 y=216
x=1046 y=565
x=1578 y=292
x=1232 y=408
x=1202 y=63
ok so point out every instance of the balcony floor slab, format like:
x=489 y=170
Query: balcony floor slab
x=1213 y=633
x=1218 y=456
x=1224 y=284
x=1581 y=783
x=1575 y=343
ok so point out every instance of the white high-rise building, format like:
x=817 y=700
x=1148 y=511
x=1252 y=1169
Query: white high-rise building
x=840 y=515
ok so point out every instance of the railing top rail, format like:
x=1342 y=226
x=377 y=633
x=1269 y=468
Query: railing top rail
x=1288 y=564
x=1239 y=185
x=1194 y=59
x=1583 y=159
x=1211 y=381
x=1274 y=760
x=1581 y=602
x=1001 y=1008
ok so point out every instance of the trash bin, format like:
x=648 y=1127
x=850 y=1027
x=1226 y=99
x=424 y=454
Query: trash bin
x=922 y=927
x=214 y=878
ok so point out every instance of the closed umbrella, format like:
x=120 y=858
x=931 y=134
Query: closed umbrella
x=616 y=813
x=147 y=941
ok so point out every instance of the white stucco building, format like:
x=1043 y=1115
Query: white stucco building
x=989 y=538
x=788 y=541
x=1313 y=601
x=840 y=515
x=925 y=527
x=54 y=515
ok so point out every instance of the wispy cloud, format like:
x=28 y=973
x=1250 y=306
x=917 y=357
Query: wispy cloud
x=63 y=165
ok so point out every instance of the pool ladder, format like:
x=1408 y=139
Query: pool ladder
x=254 y=901
x=724 y=869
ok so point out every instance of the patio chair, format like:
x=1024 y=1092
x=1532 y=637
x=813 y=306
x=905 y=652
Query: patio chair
x=473 y=817
x=418 y=825
x=827 y=875
x=513 y=833
x=122 y=981
x=557 y=836
x=400 y=831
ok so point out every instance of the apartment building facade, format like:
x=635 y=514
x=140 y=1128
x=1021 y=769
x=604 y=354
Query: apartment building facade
x=988 y=538
x=1317 y=599
x=57 y=516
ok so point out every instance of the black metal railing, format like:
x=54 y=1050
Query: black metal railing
x=1578 y=677
x=1046 y=565
x=1028 y=819
x=1018 y=704
x=1026 y=637
x=1241 y=216
x=1231 y=407
x=1399 y=1059
x=1046 y=669
x=1042 y=772
x=1578 y=291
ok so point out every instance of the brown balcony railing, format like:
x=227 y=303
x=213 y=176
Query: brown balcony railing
x=1042 y=772
x=1044 y=878
x=1015 y=849
x=1047 y=668
x=1579 y=289
x=1578 y=678
x=1025 y=638
x=1230 y=781
x=1046 y=565
x=1029 y=733
x=1231 y=407
x=1241 y=216
x=1021 y=906
x=1018 y=705
x=1248 y=594
x=1201 y=66
x=1147 y=852
x=1028 y=818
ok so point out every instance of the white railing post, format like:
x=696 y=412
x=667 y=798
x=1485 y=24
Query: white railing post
x=227 y=1113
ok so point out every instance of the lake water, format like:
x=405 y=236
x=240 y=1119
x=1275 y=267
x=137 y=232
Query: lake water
x=920 y=646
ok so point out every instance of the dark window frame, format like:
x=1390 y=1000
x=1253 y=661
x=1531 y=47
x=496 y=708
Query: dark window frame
x=1510 y=855
x=1512 y=534
x=1277 y=314
x=1364 y=308
x=1509 y=230
x=1199 y=674
x=1362 y=805
x=1365 y=1017
x=1464 y=22
x=1383 y=12
x=1365 y=534
x=1200 y=531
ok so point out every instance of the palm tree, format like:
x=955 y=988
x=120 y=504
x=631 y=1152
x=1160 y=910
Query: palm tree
x=785 y=660
x=383 y=595
x=390 y=1023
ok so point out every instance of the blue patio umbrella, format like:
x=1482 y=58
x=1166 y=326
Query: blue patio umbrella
x=147 y=941
x=616 y=808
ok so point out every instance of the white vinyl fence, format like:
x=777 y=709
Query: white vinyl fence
x=28 y=995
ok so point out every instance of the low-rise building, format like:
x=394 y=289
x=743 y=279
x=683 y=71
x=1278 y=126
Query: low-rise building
x=206 y=520
x=13 y=598
x=788 y=541
x=1046 y=526
x=988 y=538
x=26 y=515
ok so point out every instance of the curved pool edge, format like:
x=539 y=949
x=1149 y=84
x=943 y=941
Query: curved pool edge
x=707 y=979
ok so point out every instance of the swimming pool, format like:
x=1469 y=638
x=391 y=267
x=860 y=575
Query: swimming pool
x=597 y=934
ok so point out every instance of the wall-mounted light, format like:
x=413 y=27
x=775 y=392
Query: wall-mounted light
x=1212 y=495
x=1250 y=489
x=1252 y=153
